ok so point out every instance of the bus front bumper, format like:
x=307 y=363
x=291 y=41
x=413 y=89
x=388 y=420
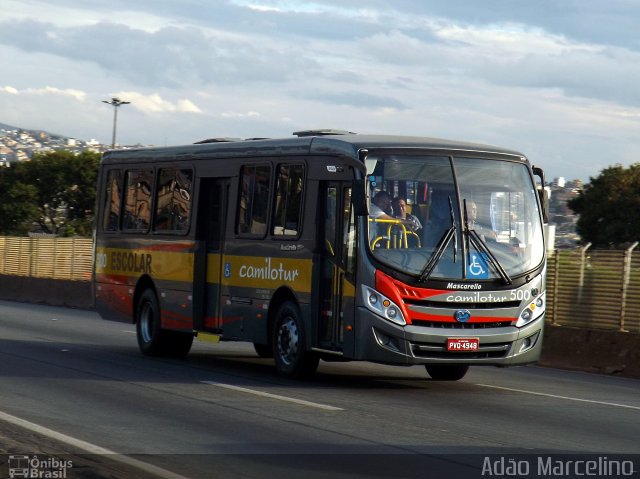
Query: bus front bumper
x=382 y=341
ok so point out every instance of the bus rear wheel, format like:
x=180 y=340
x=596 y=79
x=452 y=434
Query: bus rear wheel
x=152 y=339
x=446 y=372
x=289 y=349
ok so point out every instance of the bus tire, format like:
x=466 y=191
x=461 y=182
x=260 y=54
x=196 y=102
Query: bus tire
x=148 y=329
x=152 y=339
x=447 y=372
x=263 y=350
x=289 y=349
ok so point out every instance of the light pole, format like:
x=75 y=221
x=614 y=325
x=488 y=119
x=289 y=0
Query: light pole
x=116 y=102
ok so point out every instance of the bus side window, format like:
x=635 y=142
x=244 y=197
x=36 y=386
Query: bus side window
x=112 y=200
x=137 y=207
x=173 y=200
x=254 y=200
x=288 y=200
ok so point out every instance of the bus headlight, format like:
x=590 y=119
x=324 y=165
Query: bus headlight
x=533 y=311
x=382 y=306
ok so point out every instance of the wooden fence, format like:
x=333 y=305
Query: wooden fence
x=55 y=258
x=586 y=288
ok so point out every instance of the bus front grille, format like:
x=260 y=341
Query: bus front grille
x=456 y=325
x=462 y=305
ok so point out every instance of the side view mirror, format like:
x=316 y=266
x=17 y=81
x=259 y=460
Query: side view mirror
x=542 y=194
x=359 y=199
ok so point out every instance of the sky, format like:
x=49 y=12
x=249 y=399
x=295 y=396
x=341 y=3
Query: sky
x=557 y=80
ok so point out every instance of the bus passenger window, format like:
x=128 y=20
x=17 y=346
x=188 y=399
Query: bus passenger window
x=288 y=196
x=112 y=198
x=173 y=200
x=137 y=207
x=254 y=200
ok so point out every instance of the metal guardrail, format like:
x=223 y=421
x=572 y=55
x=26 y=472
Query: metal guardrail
x=586 y=288
x=598 y=289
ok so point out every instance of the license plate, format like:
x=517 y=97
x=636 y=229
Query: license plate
x=463 y=344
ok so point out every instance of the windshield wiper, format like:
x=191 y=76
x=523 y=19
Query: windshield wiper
x=478 y=243
x=441 y=247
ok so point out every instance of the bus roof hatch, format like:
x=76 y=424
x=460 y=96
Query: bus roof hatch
x=322 y=132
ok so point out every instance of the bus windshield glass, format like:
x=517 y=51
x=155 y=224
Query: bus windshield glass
x=453 y=218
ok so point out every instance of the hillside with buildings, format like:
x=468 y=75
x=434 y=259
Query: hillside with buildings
x=20 y=144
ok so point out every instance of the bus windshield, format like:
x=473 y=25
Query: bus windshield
x=453 y=218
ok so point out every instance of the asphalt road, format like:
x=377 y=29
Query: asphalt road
x=75 y=385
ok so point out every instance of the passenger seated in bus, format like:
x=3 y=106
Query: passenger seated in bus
x=400 y=211
x=380 y=209
x=381 y=206
x=411 y=236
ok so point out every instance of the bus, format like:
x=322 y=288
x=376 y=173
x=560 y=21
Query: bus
x=280 y=242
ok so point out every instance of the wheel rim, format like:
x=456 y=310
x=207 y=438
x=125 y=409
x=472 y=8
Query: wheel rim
x=288 y=341
x=146 y=322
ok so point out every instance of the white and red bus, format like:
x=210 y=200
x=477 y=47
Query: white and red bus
x=277 y=242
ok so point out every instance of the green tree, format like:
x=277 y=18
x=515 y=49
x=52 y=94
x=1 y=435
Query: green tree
x=609 y=207
x=57 y=192
x=18 y=206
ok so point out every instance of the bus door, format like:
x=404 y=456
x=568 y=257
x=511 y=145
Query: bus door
x=211 y=213
x=337 y=269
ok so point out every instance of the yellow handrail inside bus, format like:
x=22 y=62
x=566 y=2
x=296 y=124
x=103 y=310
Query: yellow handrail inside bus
x=417 y=237
x=394 y=241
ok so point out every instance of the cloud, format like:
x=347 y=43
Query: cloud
x=48 y=90
x=176 y=57
x=70 y=92
x=612 y=23
x=154 y=103
x=233 y=114
x=432 y=48
x=187 y=106
x=510 y=55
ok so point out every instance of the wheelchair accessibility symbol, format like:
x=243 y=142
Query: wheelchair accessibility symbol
x=478 y=267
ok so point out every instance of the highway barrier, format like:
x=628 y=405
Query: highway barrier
x=595 y=289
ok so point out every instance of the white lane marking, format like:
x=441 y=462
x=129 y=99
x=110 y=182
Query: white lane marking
x=88 y=447
x=568 y=398
x=274 y=396
x=127 y=331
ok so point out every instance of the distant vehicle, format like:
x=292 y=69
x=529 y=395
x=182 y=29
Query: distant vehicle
x=270 y=241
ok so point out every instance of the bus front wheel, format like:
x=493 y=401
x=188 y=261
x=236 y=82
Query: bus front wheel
x=152 y=339
x=289 y=349
x=446 y=372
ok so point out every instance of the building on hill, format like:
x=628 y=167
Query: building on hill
x=560 y=215
x=20 y=145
